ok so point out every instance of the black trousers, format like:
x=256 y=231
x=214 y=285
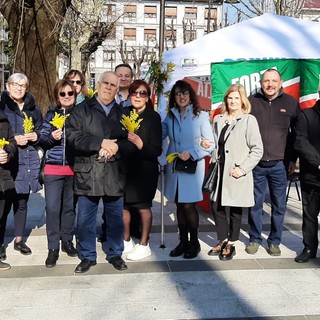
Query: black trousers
x=310 y=212
x=227 y=228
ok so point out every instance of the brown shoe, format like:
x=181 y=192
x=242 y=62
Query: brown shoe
x=215 y=251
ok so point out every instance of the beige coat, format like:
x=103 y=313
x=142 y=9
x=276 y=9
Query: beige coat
x=243 y=148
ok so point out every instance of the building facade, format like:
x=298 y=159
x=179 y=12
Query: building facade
x=138 y=30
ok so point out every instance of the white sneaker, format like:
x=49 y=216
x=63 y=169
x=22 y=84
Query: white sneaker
x=139 y=252
x=128 y=245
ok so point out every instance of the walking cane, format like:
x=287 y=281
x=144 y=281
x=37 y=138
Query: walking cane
x=162 y=206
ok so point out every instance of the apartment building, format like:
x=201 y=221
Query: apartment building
x=3 y=56
x=139 y=24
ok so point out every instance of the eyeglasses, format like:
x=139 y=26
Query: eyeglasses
x=63 y=94
x=18 y=85
x=142 y=93
x=180 y=93
x=78 y=82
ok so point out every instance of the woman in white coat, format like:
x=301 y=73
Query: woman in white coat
x=185 y=125
x=239 y=149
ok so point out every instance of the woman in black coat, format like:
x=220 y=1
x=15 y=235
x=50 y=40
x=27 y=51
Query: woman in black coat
x=8 y=168
x=143 y=169
x=18 y=105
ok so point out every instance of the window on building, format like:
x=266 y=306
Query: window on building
x=109 y=55
x=171 y=12
x=150 y=11
x=110 y=9
x=129 y=34
x=150 y=35
x=213 y=13
x=130 y=11
x=190 y=13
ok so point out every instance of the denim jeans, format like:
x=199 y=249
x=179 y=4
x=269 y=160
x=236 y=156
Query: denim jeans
x=275 y=178
x=87 y=226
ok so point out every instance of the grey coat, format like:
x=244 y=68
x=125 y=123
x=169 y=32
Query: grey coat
x=243 y=148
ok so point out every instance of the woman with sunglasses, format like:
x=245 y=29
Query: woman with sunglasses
x=58 y=175
x=185 y=125
x=77 y=78
x=19 y=104
x=143 y=169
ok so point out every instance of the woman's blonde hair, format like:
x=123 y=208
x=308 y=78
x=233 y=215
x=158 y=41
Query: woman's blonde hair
x=245 y=104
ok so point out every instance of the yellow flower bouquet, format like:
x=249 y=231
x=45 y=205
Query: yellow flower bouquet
x=3 y=142
x=28 y=125
x=58 y=120
x=131 y=123
x=172 y=156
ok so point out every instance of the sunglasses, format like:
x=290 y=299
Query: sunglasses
x=78 y=82
x=142 y=93
x=63 y=94
x=180 y=93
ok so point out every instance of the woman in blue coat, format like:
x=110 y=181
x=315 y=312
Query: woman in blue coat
x=19 y=105
x=186 y=125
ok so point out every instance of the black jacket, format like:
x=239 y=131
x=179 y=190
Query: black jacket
x=143 y=168
x=276 y=119
x=87 y=126
x=8 y=170
x=307 y=144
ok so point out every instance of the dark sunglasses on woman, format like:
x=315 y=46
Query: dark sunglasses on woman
x=142 y=93
x=78 y=82
x=63 y=94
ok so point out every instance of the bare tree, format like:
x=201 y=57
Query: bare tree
x=138 y=56
x=35 y=28
x=252 y=8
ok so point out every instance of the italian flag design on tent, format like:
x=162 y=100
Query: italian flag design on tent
x=300 y=78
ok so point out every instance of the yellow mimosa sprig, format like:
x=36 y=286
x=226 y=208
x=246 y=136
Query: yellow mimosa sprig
x=131 y=123
x=58 y=120
x=172 y=156
x=28 y=125
x=3 y=142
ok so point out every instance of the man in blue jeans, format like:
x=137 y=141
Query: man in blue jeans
x=95 y=133
x=276 y=113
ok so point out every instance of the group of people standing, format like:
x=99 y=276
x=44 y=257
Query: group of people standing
x=90 y=156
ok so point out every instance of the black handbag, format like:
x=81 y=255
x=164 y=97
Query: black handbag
x=211 y=178
x=188 y=166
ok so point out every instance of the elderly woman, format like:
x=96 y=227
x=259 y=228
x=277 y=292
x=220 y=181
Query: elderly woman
x=186 y=125
x=20 y=107
x=58 y=175
x=143 y=169
x=239 y=149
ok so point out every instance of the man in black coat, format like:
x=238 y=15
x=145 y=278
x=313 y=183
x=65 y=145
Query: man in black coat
x=100 y=144
x=307 y=144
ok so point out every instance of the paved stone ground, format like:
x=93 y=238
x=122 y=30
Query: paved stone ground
x=159 y=287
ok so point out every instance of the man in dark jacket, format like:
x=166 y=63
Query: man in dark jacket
x=95 y=133
x=307 y=144
x=276 y=113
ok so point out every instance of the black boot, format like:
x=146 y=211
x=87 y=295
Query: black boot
x=69 y=249
x=181 y=248
x=53 y=256
x=192 y=250
x=194 y=244
x=3 y=254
